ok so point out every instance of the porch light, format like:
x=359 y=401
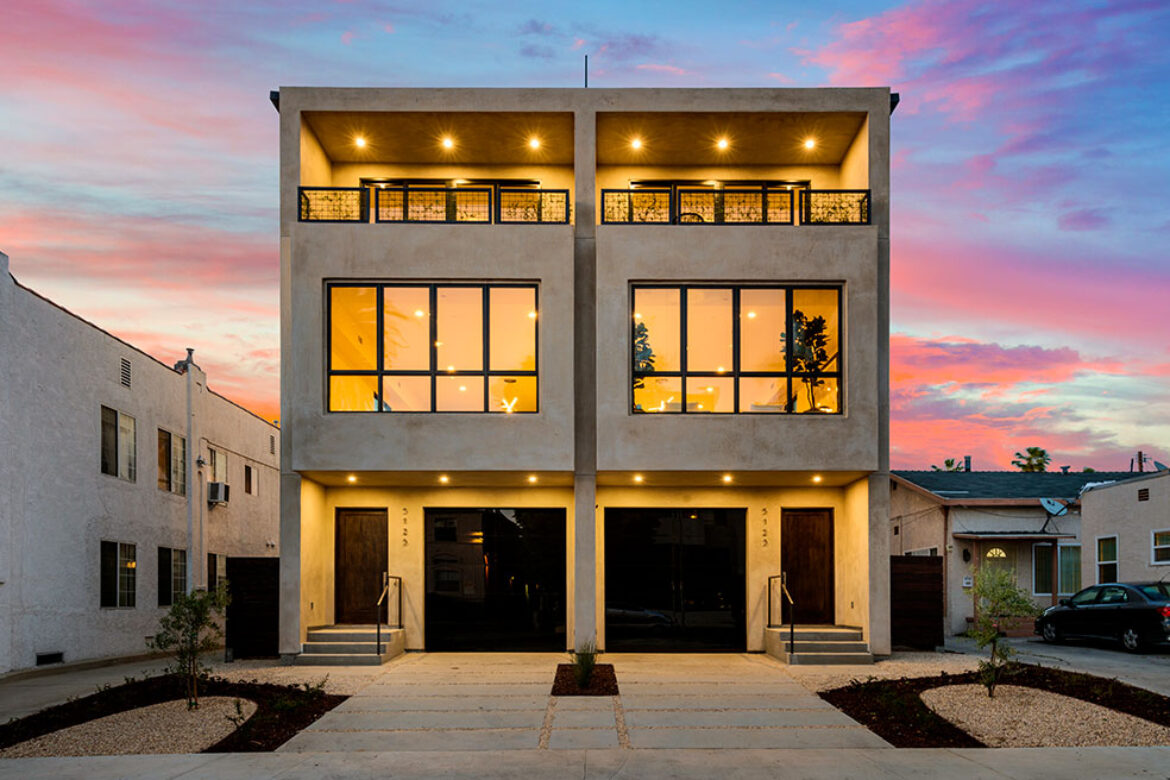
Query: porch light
x=448 y=142
x=809 y=143
x=636 y=143
x=531 y=479
x=638 y=478
x=359 y=142
x=351 y=478
x=444 y=479
x=533 y=143
x=726 y=478
x=816 y=477
x=722 y=143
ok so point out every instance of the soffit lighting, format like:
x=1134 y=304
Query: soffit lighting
x=444 y=479
x=533 y=143
x=448 y=142
x=726 y=478
x=638 y=478
x=532 y=479
x=816 y=477
x=636 y=143
x=359 y=142
x=351 y=478
x=722 y=143
x=810 y=143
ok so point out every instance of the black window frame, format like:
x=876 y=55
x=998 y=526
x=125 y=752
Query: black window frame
x=111 y=593
x=111 y=453
x=433 y=373
x=735 y=374
x=166 y=574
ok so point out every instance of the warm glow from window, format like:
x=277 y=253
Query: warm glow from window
x=448 y=142
x=533 y=143
x=359 y=142
x=638 y=478
x=722 y=143
x=444 y=479
x=751 y=315
x=996 y=552
x=352 y=478
x=726 y=478
x=419 y=313
x=809 y=143
x=636 y=143
x=531 y=315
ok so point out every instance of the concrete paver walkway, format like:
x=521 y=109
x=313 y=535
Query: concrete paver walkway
x=483 y=701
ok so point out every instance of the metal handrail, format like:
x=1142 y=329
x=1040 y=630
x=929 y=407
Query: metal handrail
x=386 y=577
x=548 y=207
x=393 y=204
x=791 y=609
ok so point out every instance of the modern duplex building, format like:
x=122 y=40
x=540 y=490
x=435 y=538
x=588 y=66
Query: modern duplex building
x=107 y=458
x=571 y=365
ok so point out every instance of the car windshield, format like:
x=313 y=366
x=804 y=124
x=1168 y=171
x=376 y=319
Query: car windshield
x=1159 y=591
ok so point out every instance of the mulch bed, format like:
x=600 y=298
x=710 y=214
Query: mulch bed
x=602 y=683
x=894 y=711
x=281 y=711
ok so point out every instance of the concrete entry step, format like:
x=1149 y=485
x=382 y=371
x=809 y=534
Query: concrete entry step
x=818 y=645
x=350 y=646
x=821 y=633
x=827 y=659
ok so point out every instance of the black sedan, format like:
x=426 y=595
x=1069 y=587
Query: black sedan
x=1137 y=614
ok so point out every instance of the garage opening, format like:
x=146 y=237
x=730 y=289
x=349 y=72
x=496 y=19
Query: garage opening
x=495 y=579
x=675 y=580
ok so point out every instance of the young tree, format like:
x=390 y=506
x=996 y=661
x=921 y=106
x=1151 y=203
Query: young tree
x=188 y=629
x=999 y=602
x=950 y=464
x=1032 y=459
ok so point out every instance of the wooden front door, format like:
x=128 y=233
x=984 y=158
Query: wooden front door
x=806 y=558
x=360 y=551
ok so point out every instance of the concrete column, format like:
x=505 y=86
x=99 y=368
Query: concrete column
x=585 y=560
x=290 y=564
x=879 y=564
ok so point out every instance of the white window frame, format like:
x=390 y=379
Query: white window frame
x=1097 y=558
x=1154 y=547
x=217 y=463
x=1056 y=584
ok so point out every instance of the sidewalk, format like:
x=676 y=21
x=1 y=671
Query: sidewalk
x=616 y=762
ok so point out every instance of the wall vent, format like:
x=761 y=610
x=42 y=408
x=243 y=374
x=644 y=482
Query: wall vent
x=271 y=445
x=1144 y=494
x=44 y=659
x=125 y=372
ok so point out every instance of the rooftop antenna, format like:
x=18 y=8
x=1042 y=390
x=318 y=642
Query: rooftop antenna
x=586 y=71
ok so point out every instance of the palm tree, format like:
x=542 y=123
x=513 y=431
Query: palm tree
x=950 y=464
x=1032 y=459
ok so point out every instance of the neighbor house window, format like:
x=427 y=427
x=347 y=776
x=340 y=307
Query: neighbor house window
x=216 y=570
x=1106 y=559
x=119 y=565
x=172 y=462
x=119 y=451
x=432 y=348
x=172 y=574
x=1068 y=569
x=748 y=350
x=250 y=485
x=1160 y=552
x=217 y=464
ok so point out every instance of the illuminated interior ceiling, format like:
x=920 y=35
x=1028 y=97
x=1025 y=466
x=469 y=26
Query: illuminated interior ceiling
x=752 y=138
x=416 y=137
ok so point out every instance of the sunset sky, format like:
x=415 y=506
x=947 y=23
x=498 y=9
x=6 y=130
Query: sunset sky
x=1030 y=182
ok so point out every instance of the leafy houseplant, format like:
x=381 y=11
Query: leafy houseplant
x=643 y=356
x=584 y=660
x=808 y=353
x=188 y=629
x=998 y=601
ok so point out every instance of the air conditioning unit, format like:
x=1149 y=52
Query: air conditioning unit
x=217 y=492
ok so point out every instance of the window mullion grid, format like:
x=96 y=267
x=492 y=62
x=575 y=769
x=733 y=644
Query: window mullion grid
x=735 y=342
x=433 y=300
x=379 y=364
x=684 y=291
x=486 y=336
x=789 y=402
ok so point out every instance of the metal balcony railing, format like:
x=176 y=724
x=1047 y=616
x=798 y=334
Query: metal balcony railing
x=528 y=207
x=834 y=207
x=434 y=204
x=334 y=204
x=735 y=207
x=636 y=206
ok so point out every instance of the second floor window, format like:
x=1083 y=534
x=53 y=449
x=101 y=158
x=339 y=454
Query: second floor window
x=217 y=465
x=172 y=463
x=119 y=451
x=432 y=348
x=763 y=349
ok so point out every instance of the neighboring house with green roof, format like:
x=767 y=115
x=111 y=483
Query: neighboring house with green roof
x=993 y=518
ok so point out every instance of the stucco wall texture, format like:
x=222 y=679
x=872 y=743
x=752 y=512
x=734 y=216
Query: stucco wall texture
x=584 y=271
x=56 y=507
x=1117 y=510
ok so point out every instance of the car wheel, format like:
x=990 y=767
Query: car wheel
x=1050 y=633
x=1131 y=640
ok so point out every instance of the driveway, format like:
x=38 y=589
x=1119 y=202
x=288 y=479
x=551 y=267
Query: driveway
x=485 y=701
x=1150 y=670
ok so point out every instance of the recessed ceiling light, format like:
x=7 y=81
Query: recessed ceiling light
x=809 y=143
x=532 y=479
x=816 y=478
x=359 y=142
x=726 y=477
x=531 y=315
x=444 y=478
x=352 y=478
x=534 y=142
x=723 y=143
x=751 y=315
x=710 y=389
x=636 y=143
x=448 y=142
x=419 y=313
x=463 y=388
x=638 y=478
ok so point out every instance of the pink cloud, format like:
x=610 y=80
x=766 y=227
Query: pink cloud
x=659 y=68
x=780 y=77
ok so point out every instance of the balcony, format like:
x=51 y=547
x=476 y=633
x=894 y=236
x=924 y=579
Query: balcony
x=782 y=205
x=435 y=205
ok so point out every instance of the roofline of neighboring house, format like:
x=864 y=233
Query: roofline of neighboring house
x=1130 y=481
x=959 y=501
x=128 y=345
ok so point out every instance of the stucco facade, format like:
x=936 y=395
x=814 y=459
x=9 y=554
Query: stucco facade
x=57 y=507
x=1137 y=513
x=585 y=450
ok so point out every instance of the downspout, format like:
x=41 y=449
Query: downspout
x=192 y=454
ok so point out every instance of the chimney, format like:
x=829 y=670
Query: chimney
x=966 y=463
x=1064 y=469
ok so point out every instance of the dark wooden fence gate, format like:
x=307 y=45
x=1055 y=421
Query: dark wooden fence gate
x=916 y=601
x=253 y=617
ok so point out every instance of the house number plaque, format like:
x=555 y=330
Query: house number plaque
x=405 y=542
x=764 y=527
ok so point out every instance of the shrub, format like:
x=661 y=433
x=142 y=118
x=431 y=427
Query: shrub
x=998 y=600
x=188 y=629
x=584 y=660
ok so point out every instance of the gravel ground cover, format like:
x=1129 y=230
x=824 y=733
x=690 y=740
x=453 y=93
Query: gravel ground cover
x=1028 y=717
x=340 y=681
x=160 y=728
x=900 y=664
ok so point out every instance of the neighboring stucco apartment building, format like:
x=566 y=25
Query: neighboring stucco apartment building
x=1127 y=527
x=584 y=364
x=96 y=479
x=994 y=518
